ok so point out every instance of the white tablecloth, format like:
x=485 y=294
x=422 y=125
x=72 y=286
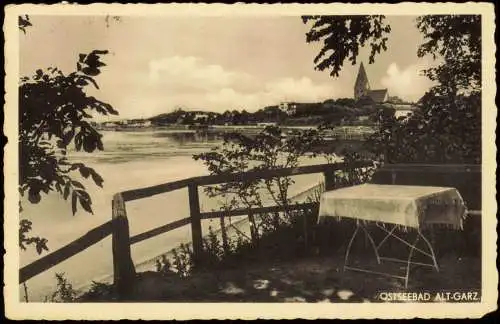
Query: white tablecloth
x=412 y=206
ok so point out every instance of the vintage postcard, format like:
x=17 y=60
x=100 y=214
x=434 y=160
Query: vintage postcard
x=247 y=161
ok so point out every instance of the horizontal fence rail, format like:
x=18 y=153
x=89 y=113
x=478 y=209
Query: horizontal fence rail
x=258 y=210
x=269 y=174
x=135 y=194
x=160 y=230
x=124 y=269
x=90 y=238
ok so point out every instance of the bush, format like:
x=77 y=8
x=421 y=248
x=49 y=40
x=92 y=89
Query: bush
x=99 y=292
x=286 y=240
x=64 y=292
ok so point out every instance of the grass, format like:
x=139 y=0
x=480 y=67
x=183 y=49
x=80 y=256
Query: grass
x=309 y=279
x=309 y=275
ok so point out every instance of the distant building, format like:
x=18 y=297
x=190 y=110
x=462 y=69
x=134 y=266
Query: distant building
x=403 y=113
x=201 y=115
x=362 y=88
x=402 y=110
x=395 y=100
x=110 y=124
x=289 y=107
x=137 y=123
x=143 y=123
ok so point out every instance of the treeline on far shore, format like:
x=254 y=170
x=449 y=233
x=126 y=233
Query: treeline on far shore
x=344 y=111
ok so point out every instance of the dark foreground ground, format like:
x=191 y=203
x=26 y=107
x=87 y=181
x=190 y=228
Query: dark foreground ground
x=311 y=279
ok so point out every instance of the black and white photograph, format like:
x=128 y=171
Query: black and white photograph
x=258 y=155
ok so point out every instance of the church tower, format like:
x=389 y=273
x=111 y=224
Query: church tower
x=361 y=87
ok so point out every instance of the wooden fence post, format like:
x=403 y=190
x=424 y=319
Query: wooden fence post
x=329 y=179
x=123 y=267
x=254 y=234
x=276 y=220
x=225 y=243
x=194 y=208
x=305 y=219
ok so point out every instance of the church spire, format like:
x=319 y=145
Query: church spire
x=362 y=86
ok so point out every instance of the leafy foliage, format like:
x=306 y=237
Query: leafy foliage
x=284 y=241
x=182 y=263
x=25 y=227
x=444 y=131
x=268 y=150
x=343 y=36
x=447 y=126
x=54 y=111
x=354 y=176
x=99 y=291
x=456 y=39
x=163 y=265
x=64 y=292
x=280 y=235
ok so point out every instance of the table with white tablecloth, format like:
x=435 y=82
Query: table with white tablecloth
x=392 y=207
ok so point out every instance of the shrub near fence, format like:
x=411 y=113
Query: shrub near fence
x=297 y=234
x=124 y=270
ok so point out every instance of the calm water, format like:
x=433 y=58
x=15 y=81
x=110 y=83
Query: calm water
x=130 y=160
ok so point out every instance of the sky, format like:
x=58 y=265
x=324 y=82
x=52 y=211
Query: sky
x=157 y=64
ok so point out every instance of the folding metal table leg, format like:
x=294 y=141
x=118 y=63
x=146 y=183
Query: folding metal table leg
x=408 y=264
x=367 y=234
x=413 y=247
x=349 y=246
x=389 y=234
x=375 y=248
x=429 y=246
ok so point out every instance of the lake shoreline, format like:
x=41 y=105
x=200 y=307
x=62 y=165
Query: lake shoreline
x=124 y=165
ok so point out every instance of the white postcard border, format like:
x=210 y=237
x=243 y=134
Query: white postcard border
x=17 y=310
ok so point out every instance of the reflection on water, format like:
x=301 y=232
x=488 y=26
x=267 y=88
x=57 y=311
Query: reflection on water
x=127 y=146
x=129 y=160
x=190 y=136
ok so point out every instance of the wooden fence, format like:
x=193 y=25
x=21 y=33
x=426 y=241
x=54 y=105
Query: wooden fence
x=123 y=266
